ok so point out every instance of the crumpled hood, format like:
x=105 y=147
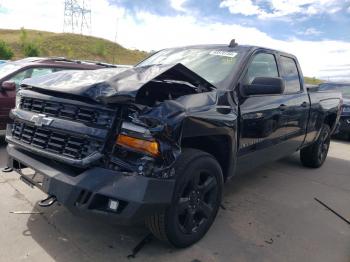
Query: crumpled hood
x=113 y=86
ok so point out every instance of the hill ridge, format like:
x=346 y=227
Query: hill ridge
x=72 y=46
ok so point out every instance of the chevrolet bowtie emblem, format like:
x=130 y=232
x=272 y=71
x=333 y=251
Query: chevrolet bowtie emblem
x=41 y=120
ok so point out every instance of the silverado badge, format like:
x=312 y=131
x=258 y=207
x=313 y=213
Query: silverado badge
x=41 y=120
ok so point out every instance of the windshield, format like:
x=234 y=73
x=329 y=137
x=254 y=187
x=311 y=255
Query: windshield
x=214 y=65
x=8 y=68
x=343 y=88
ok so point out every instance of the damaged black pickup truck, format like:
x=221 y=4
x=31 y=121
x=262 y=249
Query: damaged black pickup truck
x=155 y=143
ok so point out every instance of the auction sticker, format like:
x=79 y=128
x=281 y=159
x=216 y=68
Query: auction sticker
x=223 y=53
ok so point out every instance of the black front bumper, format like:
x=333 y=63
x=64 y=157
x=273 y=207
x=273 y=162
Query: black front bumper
x=89 y=192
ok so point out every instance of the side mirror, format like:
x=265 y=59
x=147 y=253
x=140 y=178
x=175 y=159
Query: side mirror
x=8 y=86
x=265 y=86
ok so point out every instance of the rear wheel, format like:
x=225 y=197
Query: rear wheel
x=316 y=154
x=195 y=203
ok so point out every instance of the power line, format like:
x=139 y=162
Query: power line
x=77 y=16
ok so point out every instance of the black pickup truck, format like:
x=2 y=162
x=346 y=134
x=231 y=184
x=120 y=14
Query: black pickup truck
x=155 y=143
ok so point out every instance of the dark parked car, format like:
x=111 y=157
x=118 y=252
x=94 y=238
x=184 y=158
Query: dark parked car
x=12 y=73
x=344 y=88
x=155 y=143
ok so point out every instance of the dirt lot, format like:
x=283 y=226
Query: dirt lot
x=270 y=215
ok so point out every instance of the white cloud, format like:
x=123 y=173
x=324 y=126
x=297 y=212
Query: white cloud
x=245 y=7
x=147 y=31
x=43 y=14
x=310 y=31
x=178 y=5
x=282 y=8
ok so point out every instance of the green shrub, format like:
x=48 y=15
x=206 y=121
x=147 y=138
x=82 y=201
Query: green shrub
x=5 y=51
x=31 y=49
x=100 y=49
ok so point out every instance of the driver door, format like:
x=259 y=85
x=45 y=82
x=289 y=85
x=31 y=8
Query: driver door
x=262 y=118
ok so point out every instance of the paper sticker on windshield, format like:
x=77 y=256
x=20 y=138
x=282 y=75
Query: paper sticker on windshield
x=223 y=53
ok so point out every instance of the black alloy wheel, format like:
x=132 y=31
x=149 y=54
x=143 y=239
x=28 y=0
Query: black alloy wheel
x=315 y=154
x=196 y=200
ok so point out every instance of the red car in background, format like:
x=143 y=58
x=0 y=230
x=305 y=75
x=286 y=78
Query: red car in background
x=12 y=74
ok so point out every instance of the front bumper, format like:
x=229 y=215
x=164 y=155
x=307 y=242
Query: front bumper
x=88 y=192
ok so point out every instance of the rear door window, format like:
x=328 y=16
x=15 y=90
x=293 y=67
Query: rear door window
x=290 y=75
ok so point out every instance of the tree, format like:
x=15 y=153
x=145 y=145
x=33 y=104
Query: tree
x=31 y=49
x=5 y=51
x=23 y=37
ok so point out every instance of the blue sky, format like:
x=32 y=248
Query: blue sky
x=316 y=31
x=311 y=20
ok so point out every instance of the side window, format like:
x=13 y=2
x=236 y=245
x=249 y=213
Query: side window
x=263 y=65
x=29 y=73
x=41 y=71
x=290 y=75
x=19 y=77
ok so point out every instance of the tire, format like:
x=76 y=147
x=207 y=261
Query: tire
x=315 y=154
x=196 y=200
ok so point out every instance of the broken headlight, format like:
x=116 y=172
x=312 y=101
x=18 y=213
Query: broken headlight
x=138 y=151
x=140 y=145
x=138 y=138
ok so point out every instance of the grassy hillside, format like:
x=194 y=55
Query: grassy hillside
x=73 y=46
x=312 y=80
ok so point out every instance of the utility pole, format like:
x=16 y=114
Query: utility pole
x=85 y=12
x=115 y=39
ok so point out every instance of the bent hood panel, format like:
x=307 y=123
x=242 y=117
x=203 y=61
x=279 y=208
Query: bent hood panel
x=120 y=85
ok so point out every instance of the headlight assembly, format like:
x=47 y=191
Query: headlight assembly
x=18 y=101
x=137 y=138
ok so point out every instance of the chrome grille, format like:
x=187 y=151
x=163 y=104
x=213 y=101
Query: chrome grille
x=64 y=144
x=88 y=115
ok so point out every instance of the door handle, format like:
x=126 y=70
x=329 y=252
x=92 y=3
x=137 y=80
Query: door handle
x=282 y=107
x=304 y=104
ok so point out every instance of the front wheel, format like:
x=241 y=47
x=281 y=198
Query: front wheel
x=315 y=155
x=196 y=200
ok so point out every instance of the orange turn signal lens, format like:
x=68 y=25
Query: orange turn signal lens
x=150 y=147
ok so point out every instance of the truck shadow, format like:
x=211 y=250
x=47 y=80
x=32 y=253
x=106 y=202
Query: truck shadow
x=341 y=140
x=68 y=238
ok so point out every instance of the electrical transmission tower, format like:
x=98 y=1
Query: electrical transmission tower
x=77 y=16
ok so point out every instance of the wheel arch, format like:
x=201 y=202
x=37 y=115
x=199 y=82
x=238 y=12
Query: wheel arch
x=331 y=120
x=221 y=147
